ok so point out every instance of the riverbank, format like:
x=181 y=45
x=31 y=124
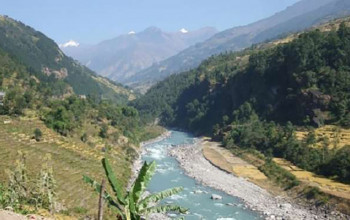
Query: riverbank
x=191 y=159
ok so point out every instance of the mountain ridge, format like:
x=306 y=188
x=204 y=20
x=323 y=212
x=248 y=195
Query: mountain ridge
x=301 y=15
x=121 y=57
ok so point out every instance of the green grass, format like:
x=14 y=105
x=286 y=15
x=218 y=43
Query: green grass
x=279 y=175
x=316 y=194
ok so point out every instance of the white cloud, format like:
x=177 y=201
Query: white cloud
x=183 y=30
x=132 y=32
x=70 y=43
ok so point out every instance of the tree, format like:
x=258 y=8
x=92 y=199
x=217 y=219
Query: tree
x=132 y=205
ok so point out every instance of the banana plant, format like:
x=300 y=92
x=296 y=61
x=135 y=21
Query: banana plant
x=132 y=205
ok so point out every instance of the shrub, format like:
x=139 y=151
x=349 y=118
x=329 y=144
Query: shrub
x=37 y=134
x=21 y=192
x=279 y=175
x=84 y=137
x=104 y=131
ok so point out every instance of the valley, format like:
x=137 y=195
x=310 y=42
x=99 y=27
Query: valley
x=251 y=122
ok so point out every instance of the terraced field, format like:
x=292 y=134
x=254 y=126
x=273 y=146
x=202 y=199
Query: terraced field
x=338 y=137
x=71 y=159
x=326 y=185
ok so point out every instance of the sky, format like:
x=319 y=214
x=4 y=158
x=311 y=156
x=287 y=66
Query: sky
x=92 y=21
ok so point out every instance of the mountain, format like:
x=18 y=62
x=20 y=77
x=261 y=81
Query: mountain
x=299 y=16
x=122 y=57
x=44 y=58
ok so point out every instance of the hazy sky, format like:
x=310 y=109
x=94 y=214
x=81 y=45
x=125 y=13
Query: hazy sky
x=88 y=21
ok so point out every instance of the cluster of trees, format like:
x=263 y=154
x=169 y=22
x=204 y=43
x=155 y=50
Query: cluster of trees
x=68 y=115
x=256 y=95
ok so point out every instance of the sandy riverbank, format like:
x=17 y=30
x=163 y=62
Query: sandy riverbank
x=196 y=166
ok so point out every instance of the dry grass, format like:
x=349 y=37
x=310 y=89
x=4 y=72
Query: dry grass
x=71 y=159
x=338 y=137
x=225 y=160
x=326 y=185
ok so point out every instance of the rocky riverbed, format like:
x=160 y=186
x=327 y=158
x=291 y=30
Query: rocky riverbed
x=196 y=166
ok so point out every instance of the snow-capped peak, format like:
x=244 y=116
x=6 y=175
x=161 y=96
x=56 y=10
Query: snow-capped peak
x=70 y=43
x=132 y=33
x=183 y=30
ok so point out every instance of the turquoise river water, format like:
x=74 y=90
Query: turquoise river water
x=170 y=174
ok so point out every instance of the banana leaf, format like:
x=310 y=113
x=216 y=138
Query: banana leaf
x=113 y=181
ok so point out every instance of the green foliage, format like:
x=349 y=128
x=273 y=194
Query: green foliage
x=316 y=194
x=84 y=137
x=104 y=131
x=279 y=175
x=18 y=185
x=14 y=102
x=37 y=134
x=2 y=195
x=45 y=195
x=339 y=164
x=20 y=190
x=132 y=206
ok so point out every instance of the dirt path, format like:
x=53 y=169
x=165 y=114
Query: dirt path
x=8 y=215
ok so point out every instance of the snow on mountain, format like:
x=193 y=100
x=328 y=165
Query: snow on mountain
x=183 y=30
x=70 y=43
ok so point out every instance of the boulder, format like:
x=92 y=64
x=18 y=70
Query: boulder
x=216 y=197
x=198 y=191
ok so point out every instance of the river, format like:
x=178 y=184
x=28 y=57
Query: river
x=195 y=196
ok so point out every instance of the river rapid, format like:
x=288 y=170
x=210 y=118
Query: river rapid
x=195 y=197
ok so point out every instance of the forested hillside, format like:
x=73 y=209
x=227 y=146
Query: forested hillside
x=259 y=97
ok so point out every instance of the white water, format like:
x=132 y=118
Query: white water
x=169 y=174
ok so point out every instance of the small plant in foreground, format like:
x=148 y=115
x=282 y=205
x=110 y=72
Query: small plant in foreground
x=21 y=194
x=133 y=205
